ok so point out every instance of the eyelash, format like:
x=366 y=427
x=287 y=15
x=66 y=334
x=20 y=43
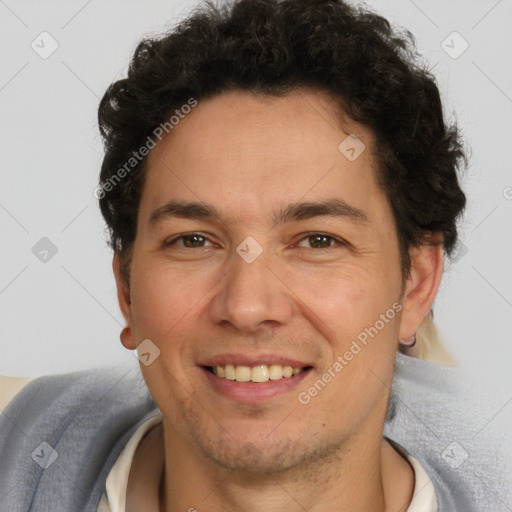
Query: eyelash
x=340 y=242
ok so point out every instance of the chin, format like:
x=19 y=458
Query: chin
x=264 y=456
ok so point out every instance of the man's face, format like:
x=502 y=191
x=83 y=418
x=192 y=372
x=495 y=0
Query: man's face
x=247 y=290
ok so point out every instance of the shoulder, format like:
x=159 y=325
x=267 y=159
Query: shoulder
x=72 y=394
x=457 y=428
x=66 y=428
x=88 y=383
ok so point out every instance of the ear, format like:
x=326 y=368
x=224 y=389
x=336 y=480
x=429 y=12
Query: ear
x=421 y=287
x=123 y=296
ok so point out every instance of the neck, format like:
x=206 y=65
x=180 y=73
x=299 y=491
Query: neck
x=358 y=478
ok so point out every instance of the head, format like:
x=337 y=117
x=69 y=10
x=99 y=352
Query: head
x=309 y=128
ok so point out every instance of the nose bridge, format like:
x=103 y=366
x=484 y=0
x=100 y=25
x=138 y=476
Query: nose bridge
x=251 y=294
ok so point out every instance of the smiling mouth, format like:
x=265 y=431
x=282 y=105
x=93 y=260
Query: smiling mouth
x=258 y=373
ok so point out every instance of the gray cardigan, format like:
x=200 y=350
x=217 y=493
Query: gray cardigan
x=61 y=435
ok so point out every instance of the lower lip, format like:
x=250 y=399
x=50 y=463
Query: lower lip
x=253 y=392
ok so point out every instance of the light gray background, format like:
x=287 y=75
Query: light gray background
x=62 y=315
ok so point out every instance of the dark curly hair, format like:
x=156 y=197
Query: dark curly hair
x=272 y=47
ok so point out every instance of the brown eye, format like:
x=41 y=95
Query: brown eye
x=320 y=241
x=190 y=241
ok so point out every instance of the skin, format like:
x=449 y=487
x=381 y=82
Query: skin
x=250 y=156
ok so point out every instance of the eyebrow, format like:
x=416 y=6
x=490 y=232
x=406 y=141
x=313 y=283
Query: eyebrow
x=292 y=212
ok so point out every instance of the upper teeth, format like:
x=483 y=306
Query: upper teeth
x=260 y=373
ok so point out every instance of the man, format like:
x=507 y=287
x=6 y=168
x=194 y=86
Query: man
x=280 y=186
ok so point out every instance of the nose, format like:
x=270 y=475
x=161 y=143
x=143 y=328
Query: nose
x=252 y=295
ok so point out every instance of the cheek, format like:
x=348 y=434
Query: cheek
x=357 y=333
x=165 y=297
x=348 y=306
x=343 y=299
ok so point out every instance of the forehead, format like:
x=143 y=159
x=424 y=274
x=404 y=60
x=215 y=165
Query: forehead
x=251 y=152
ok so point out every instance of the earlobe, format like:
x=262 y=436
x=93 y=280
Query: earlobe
x=421 y=287
x=123 y=297
x=127 y=339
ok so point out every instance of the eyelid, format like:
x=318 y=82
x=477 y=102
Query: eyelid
x=340 y=241
x=174 y=238
x=303 y=236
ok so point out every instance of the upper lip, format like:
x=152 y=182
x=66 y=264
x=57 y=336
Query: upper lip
x=252 y=360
